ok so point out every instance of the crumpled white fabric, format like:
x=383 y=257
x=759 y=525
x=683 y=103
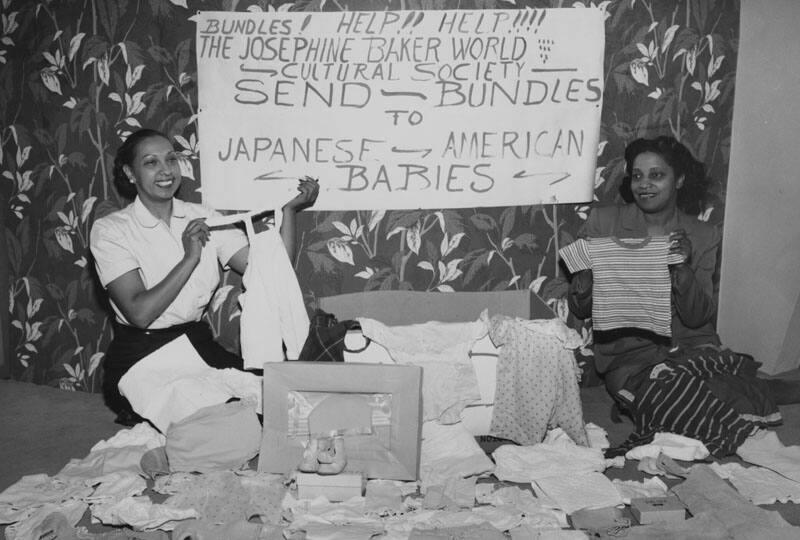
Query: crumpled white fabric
x=321 y=510
x=21 y=500
x=360 y=531
x=526 y=532
x=140 y=513
x=525 y=464
x=672 y=445
x=765 y=449
x=449 y=382
x=27 y=528
x=449 y=451
x=525 y=502
x=105 y=461
x=174 y=382
x=273 y=312
x=758 y=484
x=631 y=489
x=142 y=434
x=116 y=486
x=573 y=492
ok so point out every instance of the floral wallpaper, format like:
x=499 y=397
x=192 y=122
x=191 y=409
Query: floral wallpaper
x=77 y=76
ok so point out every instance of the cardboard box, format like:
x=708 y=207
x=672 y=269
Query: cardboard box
x=390 y=452
x=395 y=308
x=658 y=510
x=335 y=487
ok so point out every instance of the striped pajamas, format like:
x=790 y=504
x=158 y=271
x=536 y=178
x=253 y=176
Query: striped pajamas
x=677 y=397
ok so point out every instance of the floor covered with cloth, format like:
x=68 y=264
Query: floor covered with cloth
x=42 y=428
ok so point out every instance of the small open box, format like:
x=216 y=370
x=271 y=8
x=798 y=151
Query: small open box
x=658 y=510
x=387 y=449
x=335 y=488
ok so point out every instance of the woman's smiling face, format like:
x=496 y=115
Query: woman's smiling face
x=155 y=170
x=653 y=183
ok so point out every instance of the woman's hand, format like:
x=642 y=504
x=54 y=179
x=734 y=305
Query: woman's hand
x=680 y=244
x=195 y=236
x=681 y=274
x=309 y=190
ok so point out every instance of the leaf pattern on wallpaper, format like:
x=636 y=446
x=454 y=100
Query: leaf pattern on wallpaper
x=80 y=75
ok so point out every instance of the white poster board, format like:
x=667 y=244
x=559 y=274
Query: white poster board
x=400 y=109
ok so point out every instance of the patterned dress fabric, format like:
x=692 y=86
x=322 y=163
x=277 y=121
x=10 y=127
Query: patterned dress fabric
x=537 y=384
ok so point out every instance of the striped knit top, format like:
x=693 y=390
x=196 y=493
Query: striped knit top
x=632 y=287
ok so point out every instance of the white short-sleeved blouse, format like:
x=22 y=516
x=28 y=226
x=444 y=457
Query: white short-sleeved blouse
x=133 y=238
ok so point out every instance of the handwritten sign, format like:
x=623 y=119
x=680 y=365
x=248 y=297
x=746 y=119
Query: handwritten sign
x=400 y=109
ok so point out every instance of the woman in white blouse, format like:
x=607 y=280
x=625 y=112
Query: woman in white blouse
x=159 y=260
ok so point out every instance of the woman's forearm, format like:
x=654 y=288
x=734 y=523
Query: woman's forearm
x=288 y=228
x=142 y=306
x=694 y=306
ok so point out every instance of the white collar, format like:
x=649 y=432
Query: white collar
x=148 y=220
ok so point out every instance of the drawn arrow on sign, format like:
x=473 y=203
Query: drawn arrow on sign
x=268 y=71
x=389 y=93
x=425 y=151
x=559 y=176
x=271 y=175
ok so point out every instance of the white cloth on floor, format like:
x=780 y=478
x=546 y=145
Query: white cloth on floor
x=759 y=485
x=530 y=463
x=99 y=463
x=140 y=513
x=631 y=489
x=537 y=381
x=527 y=532
x=442 y=350
x=765 y=449
x=116 y=486
x=121 y=453
x=524 y=501
x=142 y=434
x=449 y=451
x=672 y=445
x=598 y=437
x=273 y=312
x=573 y=492
x=29 y=527
x=22 y=499
x=174 y=382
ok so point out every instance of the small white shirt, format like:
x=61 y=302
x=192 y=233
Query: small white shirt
x=133 y=238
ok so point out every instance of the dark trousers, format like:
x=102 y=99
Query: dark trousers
x=132 y=344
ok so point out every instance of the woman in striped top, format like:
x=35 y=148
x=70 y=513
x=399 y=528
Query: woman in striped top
x=686 y=383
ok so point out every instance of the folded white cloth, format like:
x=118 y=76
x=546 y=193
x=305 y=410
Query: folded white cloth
x=530 y=463
x=672 y=445
x=631 y=489
x=450 y=451
x=759 y=485
x=765 y=449
x=573 y=492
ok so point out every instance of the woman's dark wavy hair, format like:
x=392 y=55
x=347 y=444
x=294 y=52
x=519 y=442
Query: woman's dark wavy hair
x=125 y=154
x=693 y=194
